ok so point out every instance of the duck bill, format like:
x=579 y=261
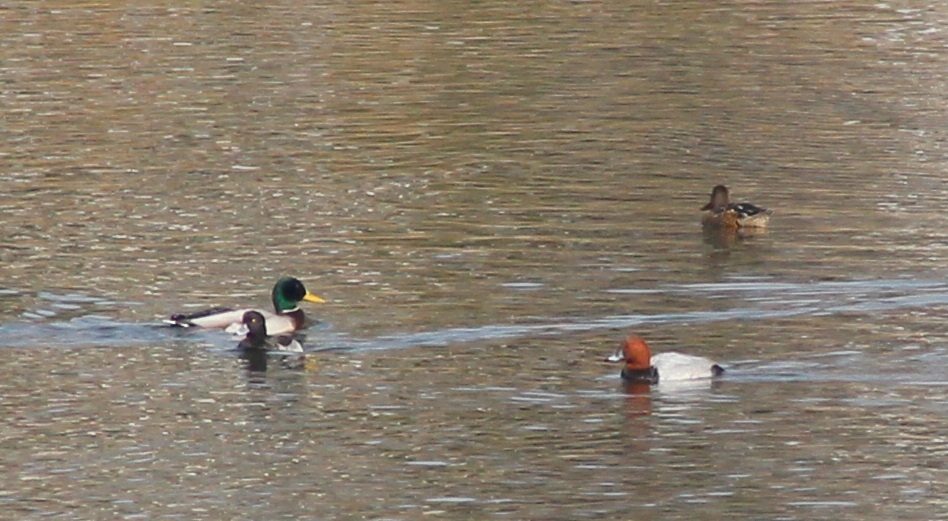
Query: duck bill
x=618 y=356
x=309 y=297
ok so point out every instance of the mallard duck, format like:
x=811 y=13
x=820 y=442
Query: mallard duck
x=641 y=366
x=725 y=214
x=288 y=317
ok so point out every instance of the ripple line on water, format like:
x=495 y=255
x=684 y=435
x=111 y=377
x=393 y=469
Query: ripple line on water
x=96 y=330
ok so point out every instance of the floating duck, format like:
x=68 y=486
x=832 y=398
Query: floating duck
x=258 y=338
x=257 y=346
x=641 y=366
x=725 y=214
x=288 y=292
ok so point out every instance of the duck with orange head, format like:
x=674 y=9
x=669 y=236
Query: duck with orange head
x=642 y=366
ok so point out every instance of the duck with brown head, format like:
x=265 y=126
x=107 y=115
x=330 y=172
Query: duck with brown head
x=641 y=366
x=638 y=361
x=723 y=213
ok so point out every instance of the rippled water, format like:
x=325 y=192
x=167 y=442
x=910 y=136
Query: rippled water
x=490 y=196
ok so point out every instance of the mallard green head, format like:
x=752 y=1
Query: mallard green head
x=288 y=292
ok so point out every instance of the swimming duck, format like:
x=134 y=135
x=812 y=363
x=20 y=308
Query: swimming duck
x=258 y=339
x=641 y=366
x=288 y=292
x=726 y=214
x=256 y=347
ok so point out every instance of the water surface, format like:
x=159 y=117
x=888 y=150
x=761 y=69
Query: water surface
x=490 y=196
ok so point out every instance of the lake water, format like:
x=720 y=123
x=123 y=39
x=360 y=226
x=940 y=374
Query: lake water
x=490 y=196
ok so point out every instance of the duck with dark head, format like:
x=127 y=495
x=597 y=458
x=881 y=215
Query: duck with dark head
x=286 y=316
x=257 y=345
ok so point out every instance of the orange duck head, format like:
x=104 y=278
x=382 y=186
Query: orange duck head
x=638 y=360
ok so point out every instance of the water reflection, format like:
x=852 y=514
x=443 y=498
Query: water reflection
x=258 y=360
x=638 y=401
x=725 y=239
x=255 y=360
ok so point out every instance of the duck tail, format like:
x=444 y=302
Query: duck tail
x=195 y=319
x=178 y=320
